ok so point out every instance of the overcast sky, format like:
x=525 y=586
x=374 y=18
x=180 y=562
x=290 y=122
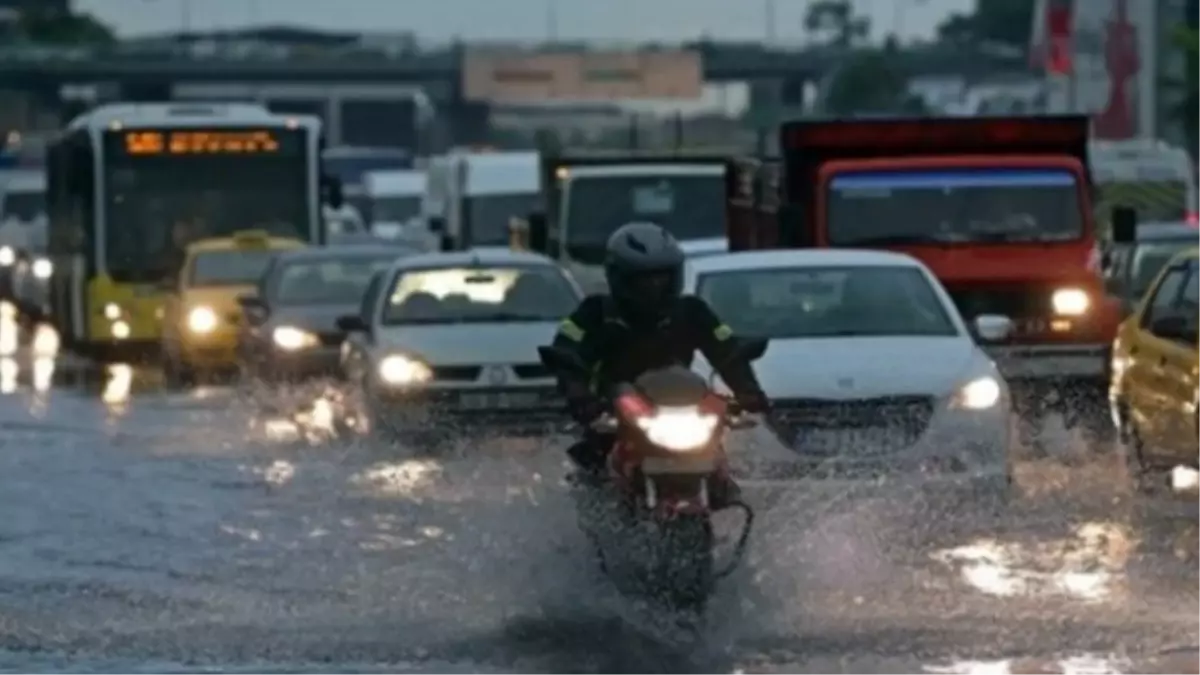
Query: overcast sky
x=664 y=20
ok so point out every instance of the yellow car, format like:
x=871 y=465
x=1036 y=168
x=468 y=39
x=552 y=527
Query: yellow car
x=1155 y=362
x=201 y=313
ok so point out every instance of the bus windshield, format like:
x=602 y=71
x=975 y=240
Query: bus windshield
x=907 y=206
x=690 y=206
x=155 y=206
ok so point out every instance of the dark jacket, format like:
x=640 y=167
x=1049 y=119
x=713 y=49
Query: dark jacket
x=617 y=352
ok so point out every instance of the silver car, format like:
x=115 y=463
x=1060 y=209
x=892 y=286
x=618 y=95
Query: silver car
x=446 y=343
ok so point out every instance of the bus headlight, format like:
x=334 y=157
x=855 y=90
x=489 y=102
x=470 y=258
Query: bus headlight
x=401 y=370
x=291 y=339
x=1070 y=301
x=7 y=256
x=42 y=268
x=202 y=320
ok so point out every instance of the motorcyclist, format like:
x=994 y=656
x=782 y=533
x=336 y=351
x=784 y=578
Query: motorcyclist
x=643 y=323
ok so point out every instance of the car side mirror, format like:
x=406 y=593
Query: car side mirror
x=352 y=324
x=993 y=327
x=1124 y=223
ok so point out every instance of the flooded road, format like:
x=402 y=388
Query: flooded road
x=154 y=531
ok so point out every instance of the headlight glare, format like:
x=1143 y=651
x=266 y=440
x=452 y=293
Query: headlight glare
x=43 y=268
x=679 y=429
x=7 y=256
x=202 y=320
x=401 y=370
x=290 y=338
x=1070 y=301
x=978 y=394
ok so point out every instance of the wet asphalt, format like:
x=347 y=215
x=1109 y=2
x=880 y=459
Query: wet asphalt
x=153 y=531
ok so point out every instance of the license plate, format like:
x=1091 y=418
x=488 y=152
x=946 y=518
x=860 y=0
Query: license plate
x=493 y=401
x=661 y=466
x=836 y=441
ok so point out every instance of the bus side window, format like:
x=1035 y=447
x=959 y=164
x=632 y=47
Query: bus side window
x=81 y=181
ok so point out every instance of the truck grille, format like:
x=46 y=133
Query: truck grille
x=898 y=420
x=1017 y=301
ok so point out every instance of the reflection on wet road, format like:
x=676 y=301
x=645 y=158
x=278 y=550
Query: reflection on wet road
x=153 y=531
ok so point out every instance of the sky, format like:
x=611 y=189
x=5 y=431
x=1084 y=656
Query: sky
x=440 y=20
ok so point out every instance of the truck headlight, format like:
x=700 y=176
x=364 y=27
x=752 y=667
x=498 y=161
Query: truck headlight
x=1070 y=301
x=202 y=320
x=401 y=370
x=679 y=429
x=978 y=394
x=290 y=338
x=43 y=268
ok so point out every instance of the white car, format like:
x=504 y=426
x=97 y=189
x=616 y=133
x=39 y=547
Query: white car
x=699 y=248
x=871 y=369
x=445 y=342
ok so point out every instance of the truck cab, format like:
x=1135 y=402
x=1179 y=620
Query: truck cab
x=999 y=208
x=587 y=197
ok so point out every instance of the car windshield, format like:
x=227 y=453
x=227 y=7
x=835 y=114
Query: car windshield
x=23 y=206
x=330 y=281
x=690 y=206
x=1149 y=259
x=230 y=268
x=480 y=295
x=953 y=206
x=812 y=302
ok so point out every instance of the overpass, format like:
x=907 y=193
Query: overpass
x=721 y=62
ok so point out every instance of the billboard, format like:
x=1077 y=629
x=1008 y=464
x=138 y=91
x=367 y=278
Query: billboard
x=505 y=76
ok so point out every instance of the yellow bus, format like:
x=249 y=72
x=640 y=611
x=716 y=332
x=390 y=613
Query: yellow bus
x=129 y=186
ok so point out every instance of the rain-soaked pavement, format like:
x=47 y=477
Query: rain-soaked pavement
x=173 y=532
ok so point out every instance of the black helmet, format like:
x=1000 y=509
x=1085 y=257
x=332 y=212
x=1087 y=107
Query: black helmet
x=643 y=265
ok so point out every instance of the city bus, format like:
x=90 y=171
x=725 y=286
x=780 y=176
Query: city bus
x=129 y=186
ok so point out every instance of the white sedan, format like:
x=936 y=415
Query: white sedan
x=447 y=342
x=871 y=368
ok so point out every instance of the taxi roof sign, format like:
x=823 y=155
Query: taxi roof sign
x=252 y=238
x=939 y=135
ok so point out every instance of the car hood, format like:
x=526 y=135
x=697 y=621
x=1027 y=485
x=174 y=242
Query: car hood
x=846 y=368
x=316 y=318
x=470 y=343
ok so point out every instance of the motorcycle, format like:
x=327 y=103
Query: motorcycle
x=650 y=522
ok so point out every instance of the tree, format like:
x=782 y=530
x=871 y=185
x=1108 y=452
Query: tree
x=868 y=83
x=1186 y=111
x=1006 y=22
x=836 y=22
x=59 y=28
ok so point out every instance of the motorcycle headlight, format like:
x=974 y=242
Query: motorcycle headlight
x=202 y=320
x=978 y=394
x=401 y=370
x=42 y=268
x=290 y=338
x=1070 y=301
x=8 y=256
x=679 y=429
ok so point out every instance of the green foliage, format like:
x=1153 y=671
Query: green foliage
x=1187 y=111
x=836 y=22
x=57 y=28
x=869 y=83
x=1002 y=21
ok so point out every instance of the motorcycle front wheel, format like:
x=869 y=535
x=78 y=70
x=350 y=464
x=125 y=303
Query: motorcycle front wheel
x=686 y=573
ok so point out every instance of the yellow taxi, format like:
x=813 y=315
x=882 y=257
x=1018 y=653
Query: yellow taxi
x=201 y=313
x=1155 y=362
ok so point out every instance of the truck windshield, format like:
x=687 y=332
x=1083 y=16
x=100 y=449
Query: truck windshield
x=488 y=216
x=690 y=206
x=1164 y=200
x=156 y=206
x=953 y=206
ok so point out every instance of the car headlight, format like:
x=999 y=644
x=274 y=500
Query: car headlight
x=679 y=429
x=112 y=311
x=401 y=370
x=202 y=320
x=7 y=256
x=42 y=268
x=290 y=338
x=978 y=394
x=1070 y=301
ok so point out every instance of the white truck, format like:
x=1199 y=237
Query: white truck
x=472 y=198
x=392 y=201
x=589 y=197
x=1153 y=177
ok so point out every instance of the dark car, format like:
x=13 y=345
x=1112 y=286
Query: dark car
x=290 y=329
x=1131 y=268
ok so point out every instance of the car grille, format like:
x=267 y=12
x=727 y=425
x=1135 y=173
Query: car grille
x=331 y=339
x=456 y=373
x=902 y=419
